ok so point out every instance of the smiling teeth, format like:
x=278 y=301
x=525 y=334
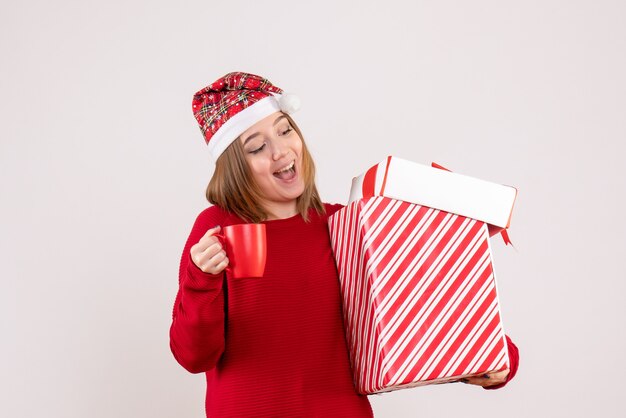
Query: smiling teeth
x=289 y=167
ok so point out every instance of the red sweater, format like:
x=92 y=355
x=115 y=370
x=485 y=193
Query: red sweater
x=282 y=350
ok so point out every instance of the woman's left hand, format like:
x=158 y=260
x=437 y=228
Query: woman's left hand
x=488 y=379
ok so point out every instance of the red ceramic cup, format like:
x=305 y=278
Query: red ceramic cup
x=246 y=249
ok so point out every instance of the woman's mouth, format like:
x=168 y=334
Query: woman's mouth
x=286 y=173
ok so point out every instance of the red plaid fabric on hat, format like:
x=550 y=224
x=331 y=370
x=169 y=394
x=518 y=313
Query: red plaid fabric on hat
x=225 y=100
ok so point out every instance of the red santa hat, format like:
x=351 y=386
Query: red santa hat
x=233 y=103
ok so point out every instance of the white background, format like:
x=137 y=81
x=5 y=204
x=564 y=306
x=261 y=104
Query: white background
x=103 y=170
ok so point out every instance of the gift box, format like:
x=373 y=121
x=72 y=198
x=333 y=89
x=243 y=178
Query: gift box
x=418 y=288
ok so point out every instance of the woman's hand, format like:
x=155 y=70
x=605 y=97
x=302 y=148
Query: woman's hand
x=488 y=379
x=208 y=253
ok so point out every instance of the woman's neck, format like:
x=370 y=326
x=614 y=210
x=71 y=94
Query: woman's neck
x=281 y=211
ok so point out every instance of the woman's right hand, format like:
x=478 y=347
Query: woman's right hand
x=208 y=254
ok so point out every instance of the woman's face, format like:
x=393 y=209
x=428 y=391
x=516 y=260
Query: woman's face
x=273 y=150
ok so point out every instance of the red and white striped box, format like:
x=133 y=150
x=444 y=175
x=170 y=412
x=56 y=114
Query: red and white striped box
x=418 y=288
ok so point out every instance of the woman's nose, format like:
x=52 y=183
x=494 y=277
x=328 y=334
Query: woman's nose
x=279 y=150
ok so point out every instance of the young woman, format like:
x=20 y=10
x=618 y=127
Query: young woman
x=270 y=346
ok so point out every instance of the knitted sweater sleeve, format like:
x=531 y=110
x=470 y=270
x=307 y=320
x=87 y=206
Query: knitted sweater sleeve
x=197 y=329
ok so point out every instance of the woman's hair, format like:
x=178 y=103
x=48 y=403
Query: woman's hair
x=233 y=188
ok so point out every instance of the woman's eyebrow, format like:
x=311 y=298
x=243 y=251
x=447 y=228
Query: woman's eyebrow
x=278 y=119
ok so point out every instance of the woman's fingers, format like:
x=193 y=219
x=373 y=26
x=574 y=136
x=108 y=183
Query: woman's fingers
x=480 y=381
x=208 y=238
x=213 y=249
x=208 y=254
x=213 y=264
x=499 y=377
x=221 y=265
x=488 y=379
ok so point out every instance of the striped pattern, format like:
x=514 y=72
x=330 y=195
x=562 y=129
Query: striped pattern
x=419 y=294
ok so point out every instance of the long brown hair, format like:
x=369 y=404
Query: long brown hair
x=233 y=188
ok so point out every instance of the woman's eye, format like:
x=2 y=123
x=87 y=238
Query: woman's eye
x=285 y=132
x=258 y=149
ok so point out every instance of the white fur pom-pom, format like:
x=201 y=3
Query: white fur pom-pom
x=289 y=103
